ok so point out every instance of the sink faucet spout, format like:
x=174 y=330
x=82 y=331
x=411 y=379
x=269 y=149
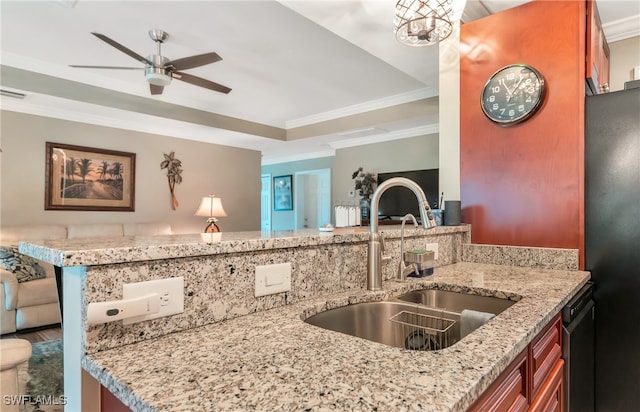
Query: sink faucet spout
x=376 y=243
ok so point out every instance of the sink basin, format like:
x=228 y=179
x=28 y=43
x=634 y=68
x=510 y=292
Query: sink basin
x=456 y=301
x=393 y=323
x=426 y=319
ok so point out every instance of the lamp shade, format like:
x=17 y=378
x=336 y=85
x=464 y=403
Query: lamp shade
x=211 y=206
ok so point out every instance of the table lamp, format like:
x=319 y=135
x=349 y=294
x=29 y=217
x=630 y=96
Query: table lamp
x=211 y=206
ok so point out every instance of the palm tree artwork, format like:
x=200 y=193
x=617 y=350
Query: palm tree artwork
x=70 y=168
x=116 y=171
x=94 y=184
x=174 y=175
x=103 y=169
x=84 y=169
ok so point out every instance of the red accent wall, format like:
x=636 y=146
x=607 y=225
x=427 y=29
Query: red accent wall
x=524 y=185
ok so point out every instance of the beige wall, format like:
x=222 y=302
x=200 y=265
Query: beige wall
x=415 y=153
x=231 y=173
x=624 y=56
x=449 y=114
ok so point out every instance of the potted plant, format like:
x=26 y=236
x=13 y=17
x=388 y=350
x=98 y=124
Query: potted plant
x=365 y=183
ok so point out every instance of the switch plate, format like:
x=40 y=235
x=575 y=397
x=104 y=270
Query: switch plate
x=171 y=291
x=433 y=247
x=272 y=279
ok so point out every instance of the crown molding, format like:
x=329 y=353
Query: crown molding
x=87 y=113
x=363 y=107
x=271 y=160
x=622 y=29
x=395 y=135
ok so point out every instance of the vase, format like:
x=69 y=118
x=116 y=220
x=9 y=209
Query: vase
x=365 y=208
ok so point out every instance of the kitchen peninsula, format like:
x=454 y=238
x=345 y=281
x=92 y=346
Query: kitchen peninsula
x=230 y=350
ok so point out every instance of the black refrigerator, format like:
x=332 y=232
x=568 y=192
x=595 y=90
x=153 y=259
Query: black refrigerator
x=612 y=243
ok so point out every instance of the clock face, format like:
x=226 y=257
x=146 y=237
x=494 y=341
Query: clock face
x=513 y=94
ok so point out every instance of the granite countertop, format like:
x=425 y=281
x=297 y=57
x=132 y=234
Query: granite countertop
x=273 y=360
x=108 y=250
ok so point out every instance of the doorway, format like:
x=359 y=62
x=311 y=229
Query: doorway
x=265 y=203
x=312 y=198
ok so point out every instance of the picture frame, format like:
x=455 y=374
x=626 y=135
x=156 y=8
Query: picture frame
x=89 y=179
x=283 y=192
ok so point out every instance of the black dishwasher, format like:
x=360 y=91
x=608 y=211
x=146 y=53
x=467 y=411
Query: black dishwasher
x=578 y=318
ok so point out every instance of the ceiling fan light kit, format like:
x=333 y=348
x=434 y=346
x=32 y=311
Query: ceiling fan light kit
x=159 y=70
x=156 y=73
x=423 y=22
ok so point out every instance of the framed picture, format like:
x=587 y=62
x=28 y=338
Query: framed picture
x=282 y=193
x=84 y=178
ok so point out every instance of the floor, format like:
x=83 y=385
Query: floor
x=36 y=335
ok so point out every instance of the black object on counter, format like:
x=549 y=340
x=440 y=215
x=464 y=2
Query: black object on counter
x=452 y=212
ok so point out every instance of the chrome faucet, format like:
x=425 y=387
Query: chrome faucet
x=376 y=243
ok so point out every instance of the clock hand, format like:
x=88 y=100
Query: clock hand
x=515 y=88
x=509 y=92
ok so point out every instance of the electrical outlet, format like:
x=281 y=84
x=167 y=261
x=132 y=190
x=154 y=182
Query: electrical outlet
x=272 y=279
x=171 y=291
x=433 y=247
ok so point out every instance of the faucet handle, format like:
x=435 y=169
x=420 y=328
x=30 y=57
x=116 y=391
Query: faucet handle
x=385 y=258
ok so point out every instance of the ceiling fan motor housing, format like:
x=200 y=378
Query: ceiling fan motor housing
x=157 y=74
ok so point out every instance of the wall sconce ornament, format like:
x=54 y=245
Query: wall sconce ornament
x=174 y=175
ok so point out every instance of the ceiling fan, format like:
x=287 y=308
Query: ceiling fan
x=159 y=70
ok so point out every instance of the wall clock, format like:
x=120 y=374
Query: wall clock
x=513 y=94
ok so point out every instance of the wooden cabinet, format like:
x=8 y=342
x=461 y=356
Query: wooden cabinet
x=534 y=381
x=544 y=352
x=597 y=61
x=509 y=391
x=551 y=395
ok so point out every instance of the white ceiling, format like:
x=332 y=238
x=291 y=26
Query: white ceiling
x=289 y=64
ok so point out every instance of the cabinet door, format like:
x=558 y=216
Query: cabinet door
x=546 y=350
x=597 y=58
x=551 y=396
x=509 y=392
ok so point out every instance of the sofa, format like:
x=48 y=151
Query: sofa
x=34 y=303
x=14 y=364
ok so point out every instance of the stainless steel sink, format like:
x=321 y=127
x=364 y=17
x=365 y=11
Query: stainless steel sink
x=426 y=319
x=393 y=323
x=456 y=301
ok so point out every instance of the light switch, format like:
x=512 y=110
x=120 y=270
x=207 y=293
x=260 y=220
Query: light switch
x=434 y=248
x=272 y=279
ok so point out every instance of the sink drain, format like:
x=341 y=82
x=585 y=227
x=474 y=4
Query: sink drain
x=418 y=340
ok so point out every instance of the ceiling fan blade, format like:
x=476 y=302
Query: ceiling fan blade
x=199 y=81
x=122 y=48
x=106 y=67
x=156 y=89
x=194 y=61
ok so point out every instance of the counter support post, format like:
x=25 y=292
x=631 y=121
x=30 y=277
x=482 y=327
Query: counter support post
x=73 y=279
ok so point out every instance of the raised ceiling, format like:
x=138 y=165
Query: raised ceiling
x=303 y=73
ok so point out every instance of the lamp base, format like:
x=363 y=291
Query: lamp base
x=212 y=228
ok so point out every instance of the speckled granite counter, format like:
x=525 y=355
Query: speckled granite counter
x=230 y=350
x=102 y=251
x=272 y=360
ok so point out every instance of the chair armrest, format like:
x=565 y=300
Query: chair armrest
x=9 y=288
